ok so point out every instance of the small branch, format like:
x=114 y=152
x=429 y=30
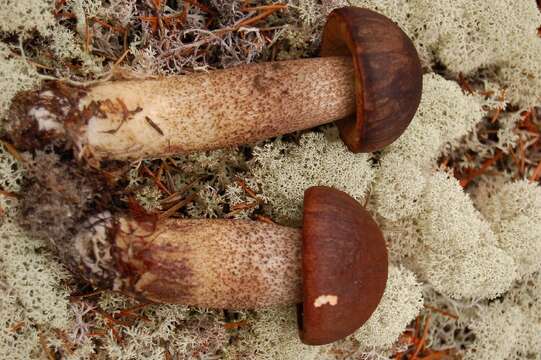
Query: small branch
x=264 y=219
x=484 y=167
x=169 y=212
x=422 y=340
x=265 y=7
x=536 y=173
x=12 y=151
x=45 y=347
x=443 y=312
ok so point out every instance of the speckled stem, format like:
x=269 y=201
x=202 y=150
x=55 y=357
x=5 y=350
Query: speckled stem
x=234 y=264
x=218 y=109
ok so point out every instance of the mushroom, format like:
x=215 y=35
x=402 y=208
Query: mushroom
x=335 y=267
x=368 y=79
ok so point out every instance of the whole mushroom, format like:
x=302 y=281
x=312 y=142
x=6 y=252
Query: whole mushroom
x=368 y=79
x=335 y=267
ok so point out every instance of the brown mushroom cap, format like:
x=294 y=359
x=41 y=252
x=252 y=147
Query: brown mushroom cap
x=344 y=266
x=388 y=76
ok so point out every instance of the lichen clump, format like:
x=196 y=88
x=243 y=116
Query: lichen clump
x=457 y=196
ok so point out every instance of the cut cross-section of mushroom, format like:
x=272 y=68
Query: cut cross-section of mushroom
x=336 y=266
x=369 y=78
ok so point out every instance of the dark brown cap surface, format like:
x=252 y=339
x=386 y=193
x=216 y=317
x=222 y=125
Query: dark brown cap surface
x=388 y=76
x=344 y=266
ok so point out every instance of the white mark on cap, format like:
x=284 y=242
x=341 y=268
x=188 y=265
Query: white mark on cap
x=326 y=299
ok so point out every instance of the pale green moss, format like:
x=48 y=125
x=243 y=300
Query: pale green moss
x=285 y=170
x=15 y=75
x=22 y=344
x=495 y=328
x=273 y=336
x=459 y=256
x=527 y=295
x=514 y=211
x=400 y=183
x=35 y=278
x=24 y=17
x=444 y=116
x=401 y=303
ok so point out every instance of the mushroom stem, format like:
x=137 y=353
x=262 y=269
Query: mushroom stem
x=232 y=264
x=221 y=108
